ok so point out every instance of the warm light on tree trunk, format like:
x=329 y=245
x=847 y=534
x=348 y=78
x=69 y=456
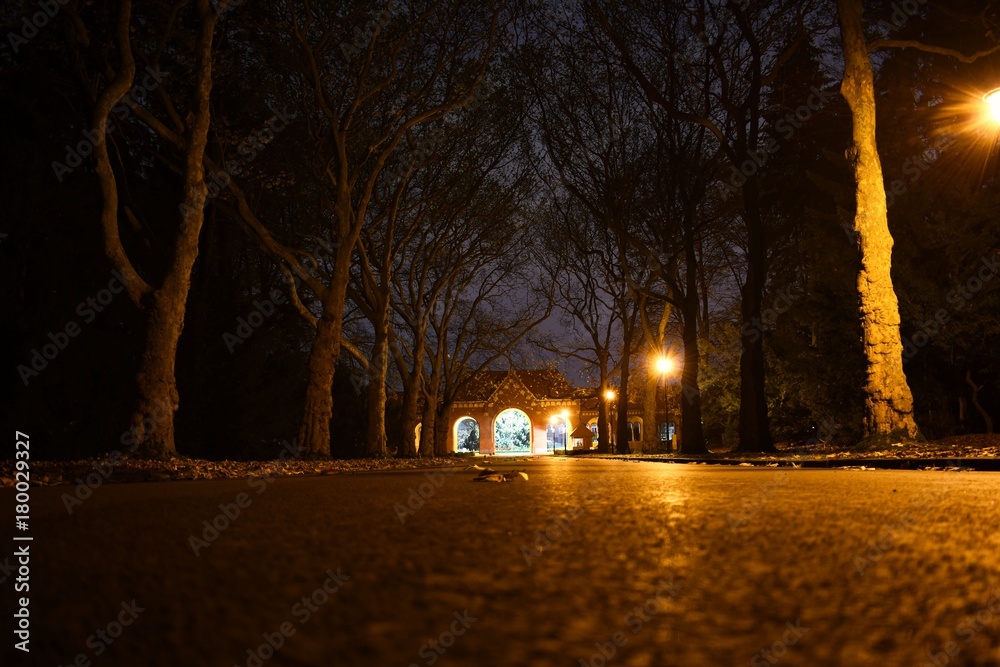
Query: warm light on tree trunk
x=888 y=401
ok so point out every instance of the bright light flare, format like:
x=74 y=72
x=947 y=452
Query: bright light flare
x=664 y=365
x=992 y=101
x=609 y=395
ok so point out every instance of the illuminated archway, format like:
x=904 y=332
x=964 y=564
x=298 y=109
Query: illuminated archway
x=512 y=432
x=466 y=435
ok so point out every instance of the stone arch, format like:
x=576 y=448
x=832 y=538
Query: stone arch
x=513 y=432
x=461 y=439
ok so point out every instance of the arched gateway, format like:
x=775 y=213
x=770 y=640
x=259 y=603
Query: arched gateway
x=514 y=410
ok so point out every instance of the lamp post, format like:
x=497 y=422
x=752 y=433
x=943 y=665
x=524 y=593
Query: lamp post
x=665 y=366
x=609 y=396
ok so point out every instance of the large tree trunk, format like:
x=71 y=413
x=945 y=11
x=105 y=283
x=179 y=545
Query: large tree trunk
x=754 y=427
x=442 y=428
x=622 y=428
x=378 y=369
x=409 y=411
x=603 y=431
x=428 y=421
x=888 y=401
x=153 y=419
x=314 y=433
x=692 y=435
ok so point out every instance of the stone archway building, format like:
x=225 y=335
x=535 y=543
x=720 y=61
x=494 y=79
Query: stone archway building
x=540 y=394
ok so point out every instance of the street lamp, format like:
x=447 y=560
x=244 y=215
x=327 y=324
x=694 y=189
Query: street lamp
x=609 y=396
x=665 y=366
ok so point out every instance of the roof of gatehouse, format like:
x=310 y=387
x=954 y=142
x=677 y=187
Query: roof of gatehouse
x=542 y=384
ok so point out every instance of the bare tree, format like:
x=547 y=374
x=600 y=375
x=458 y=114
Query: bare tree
x=153 y=418
x=888 y=400
x=730 y=54
x=420 y=63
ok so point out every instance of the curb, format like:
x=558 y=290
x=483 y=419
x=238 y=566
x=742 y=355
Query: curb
x=978 y=464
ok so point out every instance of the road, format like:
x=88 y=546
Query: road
x=585 y=563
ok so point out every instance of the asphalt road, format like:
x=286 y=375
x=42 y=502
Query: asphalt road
x=643 y=564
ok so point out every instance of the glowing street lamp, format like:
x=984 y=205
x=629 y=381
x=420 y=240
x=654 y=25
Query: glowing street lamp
x=609 y=396
x=992 y=101
x=665 y=366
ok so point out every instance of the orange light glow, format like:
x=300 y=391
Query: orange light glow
x=664 y=365
x=992 y=100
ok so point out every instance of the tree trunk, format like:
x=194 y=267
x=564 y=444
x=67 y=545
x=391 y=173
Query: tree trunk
x=314 y=433
x=116 y=89
x=622 y=428
x=442 y=428
x=692 y=435
x=378 y=369
x=754 y=426
x=888 y=401
x=428 y=421
x=603 y=432
x=409 y=411
x=153 y=419
x=650 y=425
